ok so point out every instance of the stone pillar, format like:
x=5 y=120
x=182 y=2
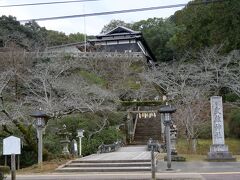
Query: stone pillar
x=39 y=135
x=218 y=150
x=168 y=144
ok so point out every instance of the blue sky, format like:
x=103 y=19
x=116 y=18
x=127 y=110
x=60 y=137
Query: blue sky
x=93 y=25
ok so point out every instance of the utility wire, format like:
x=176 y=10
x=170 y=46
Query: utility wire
x=120 y=11
x=47 y=3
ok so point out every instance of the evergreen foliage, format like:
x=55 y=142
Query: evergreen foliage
x=206 y=25
x=29 y=36
x=234 y=125
x=158 y=33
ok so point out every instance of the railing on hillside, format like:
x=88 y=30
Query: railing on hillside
x=90 y=54
x=79 y=54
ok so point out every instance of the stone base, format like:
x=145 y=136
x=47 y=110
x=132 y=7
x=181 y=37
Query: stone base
x=219 y=148
x=219 y=152
x=220 y=156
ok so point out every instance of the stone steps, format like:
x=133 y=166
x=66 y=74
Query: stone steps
x=103 y=169
x=147 y=128
x=111 y=161
x=106 y=166
x=145 y=138
x=132 y=164
x=146 y=134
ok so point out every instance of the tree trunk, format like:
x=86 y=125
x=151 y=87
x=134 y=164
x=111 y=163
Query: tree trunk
x=194 y=145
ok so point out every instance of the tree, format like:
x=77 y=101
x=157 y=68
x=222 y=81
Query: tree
x=9 y=27
x=29 y=36
x=157 y=33
x=77 y=37
x=222 y=70
x=37 y=34
x=189 y=84
x=121 y=78
x=206 y=25
x=13 y=111
x=184 y=85
x=55 y=38
x=54 y=86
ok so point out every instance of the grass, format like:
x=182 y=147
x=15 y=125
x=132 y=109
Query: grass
x=137 y=67
x=92 y=78
x=202 y=146
x=131 y=83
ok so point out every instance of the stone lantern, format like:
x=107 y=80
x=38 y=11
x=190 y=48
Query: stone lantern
x=166 y=112
x=40 y=123
x=65 y=140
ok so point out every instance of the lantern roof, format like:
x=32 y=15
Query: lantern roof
x=167 y=109
x=39 y=114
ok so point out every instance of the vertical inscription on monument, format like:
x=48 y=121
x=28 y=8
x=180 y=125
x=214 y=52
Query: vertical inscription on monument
x=217 y=120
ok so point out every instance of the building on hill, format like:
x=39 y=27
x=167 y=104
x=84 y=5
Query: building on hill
x=119 y=40
x=122 y=39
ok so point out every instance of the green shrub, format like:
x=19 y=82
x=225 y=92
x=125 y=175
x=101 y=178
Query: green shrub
x=205 y=132
x=230 y=97
x=28 y=157
x=234 y=125
x=107 y=136
x=4 y=170
x=90 y=123
x=52 y=143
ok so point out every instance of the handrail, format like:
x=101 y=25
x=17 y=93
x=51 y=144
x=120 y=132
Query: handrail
x=135 y=124
x=105 y=148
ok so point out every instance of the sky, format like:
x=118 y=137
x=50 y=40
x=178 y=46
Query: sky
x=91 y=25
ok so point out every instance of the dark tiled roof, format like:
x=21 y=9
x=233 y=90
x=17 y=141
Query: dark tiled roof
x=121 y=30
x=114 y=38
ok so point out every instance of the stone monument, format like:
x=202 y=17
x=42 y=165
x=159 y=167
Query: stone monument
x=218 y=150
x=65 y=140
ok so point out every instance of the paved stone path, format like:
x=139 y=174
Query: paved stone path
x=126 y=159
x=124 y=153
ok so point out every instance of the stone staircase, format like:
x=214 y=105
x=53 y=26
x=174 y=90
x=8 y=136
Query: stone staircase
x=126 y=159
x=147 y=128
x=106 y=166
